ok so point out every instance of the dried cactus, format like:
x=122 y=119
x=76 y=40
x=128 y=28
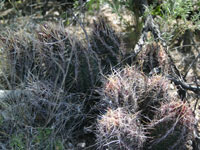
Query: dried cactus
x=56 y=69
x=17 y=57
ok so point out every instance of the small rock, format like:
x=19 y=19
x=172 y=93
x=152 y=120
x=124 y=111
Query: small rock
x=82 y=145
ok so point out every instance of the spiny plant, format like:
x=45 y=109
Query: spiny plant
x=123 y=88
x=17 y=57
x=50 y=53
x=119 y=129
x=172 y=126
x=64 y=54
x=157 y=92
x=54 y=72
x=153 y=56
x=106 y=44
x=133 y=90
x=59 y=115
x=55 y=69
x=161 y=112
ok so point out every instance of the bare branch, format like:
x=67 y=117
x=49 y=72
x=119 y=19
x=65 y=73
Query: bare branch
x=184 y=85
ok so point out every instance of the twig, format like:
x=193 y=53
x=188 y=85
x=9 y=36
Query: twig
x=194 y=59
x=184 y=85
x=195 y=106
x=192 y=64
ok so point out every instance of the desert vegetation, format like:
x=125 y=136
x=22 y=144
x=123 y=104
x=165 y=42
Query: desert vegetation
x=104 y=74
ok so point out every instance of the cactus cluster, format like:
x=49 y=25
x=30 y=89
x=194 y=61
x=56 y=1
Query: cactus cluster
x=50 y=53
x=133 y=108
x=58 y=73
x=162 y=119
